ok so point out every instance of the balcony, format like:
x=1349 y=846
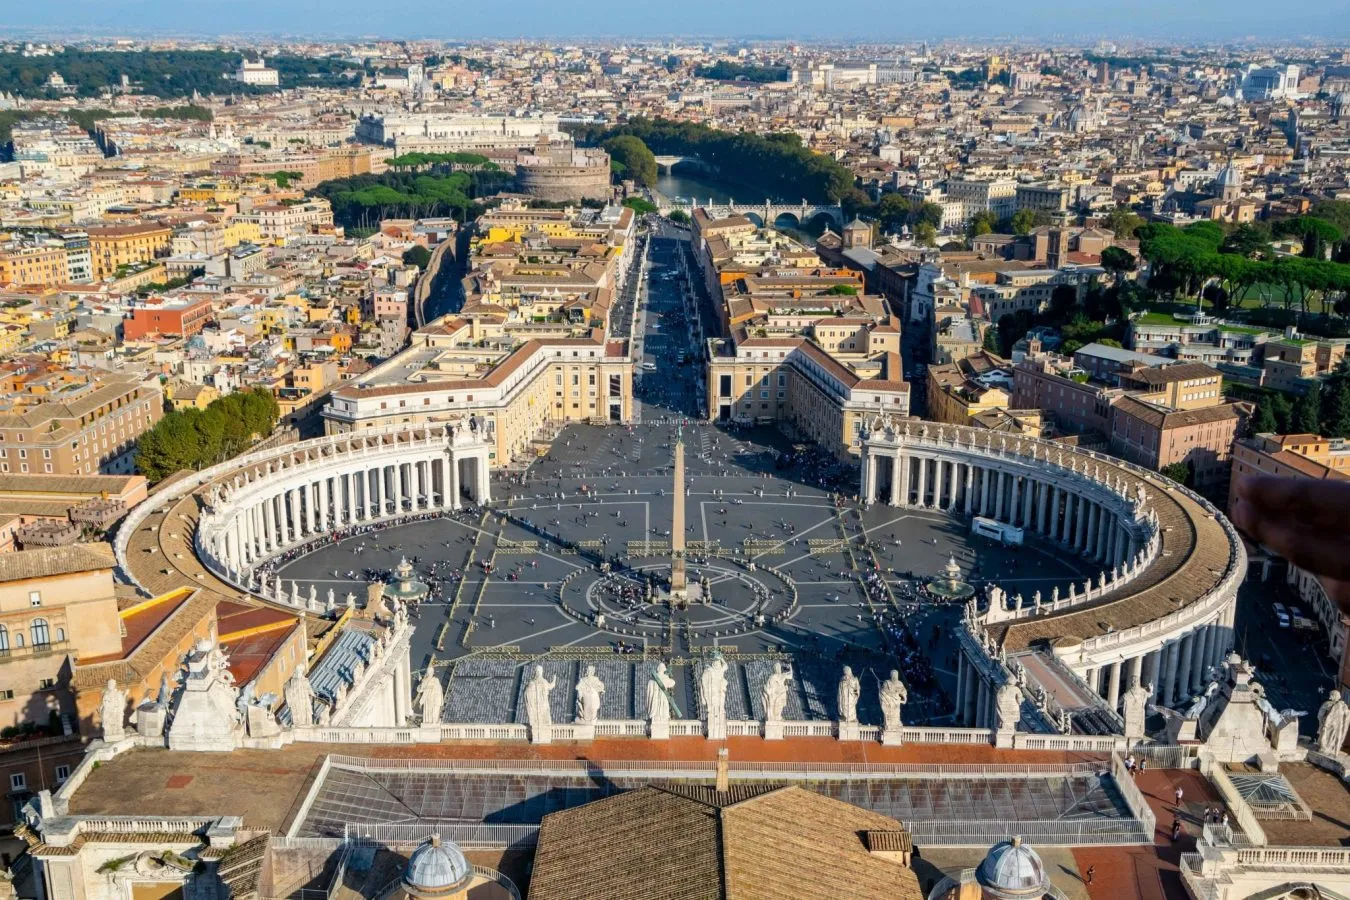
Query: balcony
x=34 y=651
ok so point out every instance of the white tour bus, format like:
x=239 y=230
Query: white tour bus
x=1008 y=535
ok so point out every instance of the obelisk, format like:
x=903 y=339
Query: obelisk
x=679 y=588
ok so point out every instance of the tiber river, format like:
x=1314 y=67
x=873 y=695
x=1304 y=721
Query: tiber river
x=683 y=185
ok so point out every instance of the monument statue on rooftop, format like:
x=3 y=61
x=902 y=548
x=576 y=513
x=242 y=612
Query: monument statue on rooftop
x=775 y=692
x=894 y=695
x=112 y=710
x=850 y=689
x=1333 y=721
x=657 y=695
x=430 y=695
x=713 y=689
x=299 y=697
x=1135 y=708
x=589 y=689
x=537 y=710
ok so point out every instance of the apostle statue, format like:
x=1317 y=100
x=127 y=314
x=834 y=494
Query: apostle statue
x=712 y=686
x=537 y=710
x=894 y=695
x=774 y=693
x=589 y=689
x=1134 y=707
x=658 y=694
x=1333 y=720
x=850 y=689
x=114 y=707
x=1008 y=706
x=299 y=697
x=430 y=696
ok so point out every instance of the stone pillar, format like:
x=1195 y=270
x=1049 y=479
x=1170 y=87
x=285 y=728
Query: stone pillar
x=1151 y=663
x=969 y=496
x=484 y=480
x=446 y=499
x=984 y=491
x=1113 y=685
x=869 y=479
x=939 y=481
x=1184 y=667
x=274 y=524
x=1015 y=500
x=313 y=511
x=454 y=482
x=960 y=686
x=1090 y=537
x=1080 y=524
x=896 y=475
x=402 y=690
x=922 y=502
x=297 y=527
x=416 y=471
x=1093 y=680
x=981 y=705
x=1220 y=642
x=232 y=545
x=968 y=702
x=1042 y=514
x=1204 y=646
x=1029 y=503
x=1167 y=681
x=399 y=493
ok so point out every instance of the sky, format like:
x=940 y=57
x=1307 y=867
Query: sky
x=878 y=20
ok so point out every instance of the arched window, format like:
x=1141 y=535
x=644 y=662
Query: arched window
x=4 y=640
x=37 y=632
x=60 y=635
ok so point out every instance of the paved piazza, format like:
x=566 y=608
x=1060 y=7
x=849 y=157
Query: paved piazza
x=522 y=583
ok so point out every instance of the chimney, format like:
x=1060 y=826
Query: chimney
x=723 y=766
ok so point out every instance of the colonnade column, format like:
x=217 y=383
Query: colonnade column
x=970 y=478
x=271 y=535
x=1044 y=511
x=1113 y=685
x=1184 y=667
x=1171 y=654
x=454 y=483
x=293 y=497
x=895 y=479
x=1152 y=659
x=984 y=491
x=960 y=685
x=922 y=500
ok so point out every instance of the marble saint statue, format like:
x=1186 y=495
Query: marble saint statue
x=1008 y=706
x=894 y=695
x=1134 y=708
x=299 y=697
x=850 y=689
x=430 y=696
x=712 y=685
x=1333 y=720
x=113 y=710
x=589 y=689
x=537 y=711
x=774 y=694
x=658 y=697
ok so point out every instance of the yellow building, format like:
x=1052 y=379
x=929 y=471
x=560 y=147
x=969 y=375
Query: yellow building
x=114 y=246
x=33 y=265
x=183 y=395
x=960 y=390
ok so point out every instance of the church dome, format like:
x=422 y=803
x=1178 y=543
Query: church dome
x=436 y=869
x=1032 y=107
x=1012 y=870
x=1229 y=177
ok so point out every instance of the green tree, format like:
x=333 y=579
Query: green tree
x=1023 y=221
x=842 y=290
x=1307 y=413
x=1180 y=472
x=679 y=216
x=417 y=256
x=1282 y=411
x=639 y=205
x=635 y=156
x=990 y=341
x=925 y=234
x=1118 y=261
x=982 y=222
x=1263 y=419
x=1123 y=222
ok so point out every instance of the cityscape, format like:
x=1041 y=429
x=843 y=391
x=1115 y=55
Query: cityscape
x=862 y=464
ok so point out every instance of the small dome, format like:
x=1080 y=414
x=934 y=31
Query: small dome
x=436 y=869
x=1011 y=870
x=1229 y=177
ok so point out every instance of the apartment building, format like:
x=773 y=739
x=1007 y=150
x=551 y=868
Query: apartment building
x=57 y=605
x=114 y=246
x=1293 y=363
x=965 y=388
x=176 y=316
x=40 y=266
x=75 y=423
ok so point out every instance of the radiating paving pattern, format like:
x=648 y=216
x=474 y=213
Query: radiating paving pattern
x=348 y=796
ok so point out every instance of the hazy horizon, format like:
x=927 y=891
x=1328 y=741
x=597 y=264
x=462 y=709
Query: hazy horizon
x=867 y=20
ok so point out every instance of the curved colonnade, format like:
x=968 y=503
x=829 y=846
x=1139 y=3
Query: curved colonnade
x=1159 y=609
x=234 y=517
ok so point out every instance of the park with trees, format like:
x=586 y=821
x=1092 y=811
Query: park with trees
x=195 y=438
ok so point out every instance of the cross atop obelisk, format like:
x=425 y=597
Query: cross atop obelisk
x=679 y=588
